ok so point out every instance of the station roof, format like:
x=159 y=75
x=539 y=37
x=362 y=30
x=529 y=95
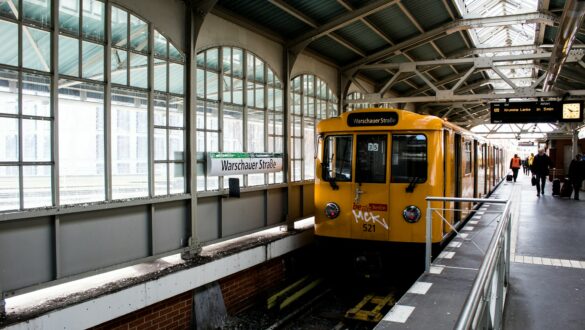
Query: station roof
x=374 y=40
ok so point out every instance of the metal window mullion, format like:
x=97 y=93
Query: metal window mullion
x=80 y=39
x=127 y=48
x=20 y=86
x=266 y=118
x=54 y=95
x=150 y=114
x=245 y=115
x=220 y=106
x=302 y=132
x=107 y=101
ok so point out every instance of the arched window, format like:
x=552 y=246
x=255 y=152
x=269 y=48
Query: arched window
x=239 y=109
x=312 y=100
x=96 y=103
x=356 y=96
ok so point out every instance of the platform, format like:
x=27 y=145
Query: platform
x=547 y=276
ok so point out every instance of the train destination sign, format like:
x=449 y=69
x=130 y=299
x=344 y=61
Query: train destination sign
x=372 y=119
x=232 y=163
x=536 y=112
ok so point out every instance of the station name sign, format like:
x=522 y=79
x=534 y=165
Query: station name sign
x=357 y=119
x=536 y=112
x=232 y=163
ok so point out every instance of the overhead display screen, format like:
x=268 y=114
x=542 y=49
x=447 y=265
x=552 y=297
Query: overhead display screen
x=536 y=112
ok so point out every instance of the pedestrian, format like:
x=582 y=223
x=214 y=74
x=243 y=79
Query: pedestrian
x=530 y=160
x=576 y=174
x=515 y=164
x=525 y=165
x=540 y=167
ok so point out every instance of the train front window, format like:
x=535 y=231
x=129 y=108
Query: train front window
x=337 y=158
x=371 y=159
x=409 y=158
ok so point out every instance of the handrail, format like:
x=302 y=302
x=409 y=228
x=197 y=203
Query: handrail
x=487 y=268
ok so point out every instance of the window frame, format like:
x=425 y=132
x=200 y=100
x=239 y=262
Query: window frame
x=392 y=180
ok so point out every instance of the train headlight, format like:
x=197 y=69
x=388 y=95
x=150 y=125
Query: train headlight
x=411 y=214
x=332 y=210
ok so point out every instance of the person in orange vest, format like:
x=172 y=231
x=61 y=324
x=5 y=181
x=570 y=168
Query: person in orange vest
x=515 y=164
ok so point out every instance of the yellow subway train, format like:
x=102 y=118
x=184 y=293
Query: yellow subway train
x=375 y=167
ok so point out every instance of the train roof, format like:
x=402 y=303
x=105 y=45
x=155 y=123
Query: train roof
x=381 y=118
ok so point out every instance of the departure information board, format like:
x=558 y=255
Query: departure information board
x=536 y=112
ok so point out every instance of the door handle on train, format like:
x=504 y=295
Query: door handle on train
x=358 y=193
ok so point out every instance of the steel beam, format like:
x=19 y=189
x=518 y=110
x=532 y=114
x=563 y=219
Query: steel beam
x=469 y=97
x=462 y=24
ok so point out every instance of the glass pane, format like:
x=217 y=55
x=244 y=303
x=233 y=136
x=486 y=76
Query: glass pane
x=92 y=61
x=176 y=112
x=119 y=64
x=270 y=77
x=36 y=49
x=212 y=116
x=160 y=144
x=177 y=178
x=37 y=186
x=200 y=116
x=296 y=103
x=200 y=177
x=200 y=83
x=119 y=27
x=278 y=123
x=176 y=78
x=259 y=75
x=371 y=159
x=68 y=56
x=279 y=104
x=160 y=179
x=160 y=45
x=297 y=142
x=409 y=158
x=250 y=94
x=9 y=187
x=36 y=142
x=309 y=149
x=238 y=62
x=9 y=9
x=93 y=19
x=255 y=130
x=255 y=179
x=81 y=143
x=233 y=129
x=296 y=170
x=138 y=70
x=238 y=94
x=8 y=139
x=8 y=91
x=36 y=97
x=175 y=54
x=337 y=158
x=176 y=144
x=278 y=146
x=250 y=67
x=201 y=60
x=227 y=89
x=212 y=59
x=270 y=100
x=160 y=110
x=129 y=144
x=227 y=60
x=259 y=89
x=212 y=86
x=9 y=45
x=160 y=75
x=38 y=11
x=138 y=34
x=212 y=142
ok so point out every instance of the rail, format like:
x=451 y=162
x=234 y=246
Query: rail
x=484 y=305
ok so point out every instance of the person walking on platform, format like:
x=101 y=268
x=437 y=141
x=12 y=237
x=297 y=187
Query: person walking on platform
x=576 y=174
x=530 y=160
x=525 y=165
x=515 y=164
x=540 y=166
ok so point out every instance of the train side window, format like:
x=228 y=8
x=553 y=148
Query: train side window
x=467 y=155
x=409 y=158
x=371 y=158
x=337 y=158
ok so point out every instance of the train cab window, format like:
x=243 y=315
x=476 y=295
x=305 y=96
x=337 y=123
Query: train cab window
x=371 y=159
x=337 y=158
x=409 y=158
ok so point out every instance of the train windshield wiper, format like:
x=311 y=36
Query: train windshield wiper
x=412 y=184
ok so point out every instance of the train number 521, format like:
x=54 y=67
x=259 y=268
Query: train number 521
x=370 y=228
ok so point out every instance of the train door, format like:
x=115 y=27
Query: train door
x=475 y=169
x=448 y=184
x=457 y=175
x=370 y=192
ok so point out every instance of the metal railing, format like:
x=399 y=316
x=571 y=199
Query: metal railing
x=484 y=306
